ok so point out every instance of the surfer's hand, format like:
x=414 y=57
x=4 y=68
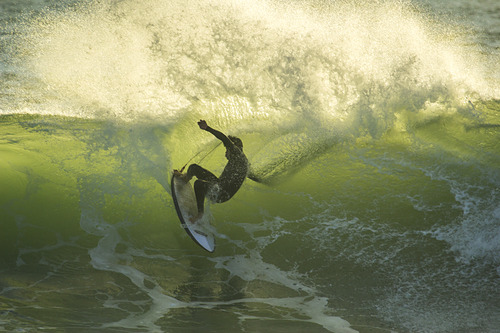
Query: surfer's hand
x=203 y=124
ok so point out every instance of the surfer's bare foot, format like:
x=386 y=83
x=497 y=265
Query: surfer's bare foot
x=180 y=175
x=195 y=219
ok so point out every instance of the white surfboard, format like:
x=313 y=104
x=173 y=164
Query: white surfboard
x=185 y=206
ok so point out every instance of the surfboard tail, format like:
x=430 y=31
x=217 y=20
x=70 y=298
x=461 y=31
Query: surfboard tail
x=185 y=205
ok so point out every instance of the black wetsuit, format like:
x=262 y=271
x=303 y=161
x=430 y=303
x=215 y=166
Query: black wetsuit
x=224 y=187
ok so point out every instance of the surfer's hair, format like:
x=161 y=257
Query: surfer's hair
x=238 y=143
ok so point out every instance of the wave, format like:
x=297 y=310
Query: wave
x=374 y=127
x=308 y=75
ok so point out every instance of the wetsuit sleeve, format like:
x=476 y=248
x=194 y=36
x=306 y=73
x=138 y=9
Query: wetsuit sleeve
x=254 y=177
x=251 y=175
x=221 y=136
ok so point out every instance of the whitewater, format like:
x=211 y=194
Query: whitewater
x=374 y=127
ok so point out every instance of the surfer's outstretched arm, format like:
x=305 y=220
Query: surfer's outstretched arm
x=254 y=178
x=219 y=135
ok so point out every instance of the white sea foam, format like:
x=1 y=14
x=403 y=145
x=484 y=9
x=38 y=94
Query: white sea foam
x=259 y=60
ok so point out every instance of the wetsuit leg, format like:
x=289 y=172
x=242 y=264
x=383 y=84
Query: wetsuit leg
x=202 y=185
x=201 y=189
x=200 y=173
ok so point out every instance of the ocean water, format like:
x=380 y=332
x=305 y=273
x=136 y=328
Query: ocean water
x=374 y=125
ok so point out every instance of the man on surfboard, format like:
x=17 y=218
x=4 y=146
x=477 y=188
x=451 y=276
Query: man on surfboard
x=218 y=189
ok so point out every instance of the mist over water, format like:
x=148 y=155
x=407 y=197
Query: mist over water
x=374 y=127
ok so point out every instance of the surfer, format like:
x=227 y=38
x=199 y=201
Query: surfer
x=218 y=189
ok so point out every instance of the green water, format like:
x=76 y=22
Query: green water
x=91 y=239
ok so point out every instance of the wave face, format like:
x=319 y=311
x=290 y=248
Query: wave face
x=373 y=127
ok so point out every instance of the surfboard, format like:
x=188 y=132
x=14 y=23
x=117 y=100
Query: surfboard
x=186 y=208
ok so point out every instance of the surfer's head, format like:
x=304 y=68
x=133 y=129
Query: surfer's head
x=237 y=142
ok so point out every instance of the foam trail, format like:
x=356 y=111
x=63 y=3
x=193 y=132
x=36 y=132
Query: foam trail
x=312 y=307
x=104 y=257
